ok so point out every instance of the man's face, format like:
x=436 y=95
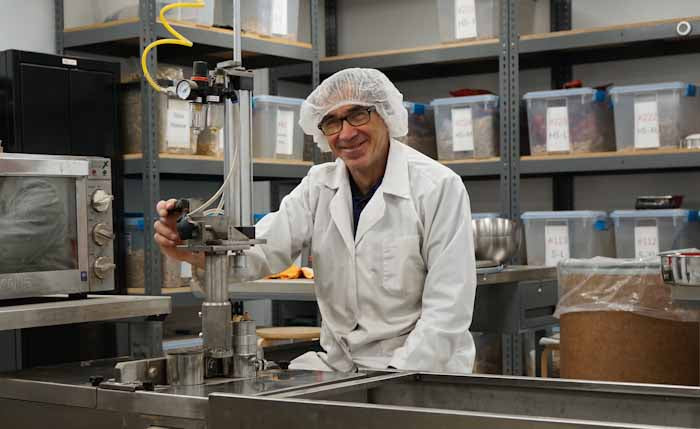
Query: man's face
x=360 y=146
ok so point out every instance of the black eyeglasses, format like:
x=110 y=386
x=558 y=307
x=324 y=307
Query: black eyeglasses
x=333 y=125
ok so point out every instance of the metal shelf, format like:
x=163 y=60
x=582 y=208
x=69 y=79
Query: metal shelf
x=662 y=159
x=475 y=167
x=212 y=43
x=210 y=166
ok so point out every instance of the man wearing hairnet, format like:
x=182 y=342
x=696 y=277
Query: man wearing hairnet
x=390 y=231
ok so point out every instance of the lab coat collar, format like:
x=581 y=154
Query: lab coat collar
x=395 y=180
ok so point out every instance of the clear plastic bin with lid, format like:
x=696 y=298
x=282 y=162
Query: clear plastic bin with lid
x=466 y=127
x=276 y=130
x=421 y=128
x=655 y=116
x=570 y=120
x=645 y=233
x=557 y=235
x=469 y=19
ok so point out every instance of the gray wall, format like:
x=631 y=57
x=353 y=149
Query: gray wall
x=27 y=25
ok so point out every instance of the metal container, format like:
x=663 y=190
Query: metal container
x=496 y=239
x=681 y=267
x=185 y=367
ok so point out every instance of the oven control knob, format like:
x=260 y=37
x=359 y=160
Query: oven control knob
x=102 y=234
x=103 y=266
x=101 y=200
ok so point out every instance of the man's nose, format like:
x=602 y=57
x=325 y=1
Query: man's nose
x=348 y=131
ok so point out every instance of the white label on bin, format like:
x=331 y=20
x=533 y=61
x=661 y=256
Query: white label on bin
x=465 y=19
x=177 y=134
x=185 y=270
x=279 y=17
x=558 y=129
x=462 y=130
x=556 y=244
x=646 y=125
x=646 y=242
x=285 y=132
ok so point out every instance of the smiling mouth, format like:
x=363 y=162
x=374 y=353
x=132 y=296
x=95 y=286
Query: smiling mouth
x=352 y=146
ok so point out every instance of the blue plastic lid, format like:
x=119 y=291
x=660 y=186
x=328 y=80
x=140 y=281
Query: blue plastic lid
x=464 y=100
x=687 y=88
x=134 y=223
x=278 y=100
x=633 y=214
x=416 y=108
x=484 y=215
x=559 y=93
x=573 y=214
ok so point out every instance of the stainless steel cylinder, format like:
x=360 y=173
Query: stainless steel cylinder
x=185 y=367
x=216 y=278
x=244 y=366
x=244 y=327
x=216 y=329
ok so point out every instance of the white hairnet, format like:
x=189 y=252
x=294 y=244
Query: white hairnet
x=364 y=87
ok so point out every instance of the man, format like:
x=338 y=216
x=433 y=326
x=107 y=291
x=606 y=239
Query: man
x=390 y=231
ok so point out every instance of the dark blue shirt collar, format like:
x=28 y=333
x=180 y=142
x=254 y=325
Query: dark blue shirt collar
x=359 y=201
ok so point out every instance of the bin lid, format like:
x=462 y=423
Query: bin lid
x=484 y=215
x=278 y=100
x=464 y=100
x=688 y=88
x=559 y=93
x=416 y=108
x=571 y=214
x=689 y=214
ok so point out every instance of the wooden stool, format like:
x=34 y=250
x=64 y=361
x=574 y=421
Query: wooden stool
x=268 y=335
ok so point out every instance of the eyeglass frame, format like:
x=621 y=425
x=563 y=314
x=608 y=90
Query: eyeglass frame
x=344 y=119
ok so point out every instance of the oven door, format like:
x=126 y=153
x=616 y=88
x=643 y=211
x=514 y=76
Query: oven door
x=43 y=226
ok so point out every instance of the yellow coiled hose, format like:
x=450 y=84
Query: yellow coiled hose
x=178 y=40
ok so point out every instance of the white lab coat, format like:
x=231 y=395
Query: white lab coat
x=401 y=292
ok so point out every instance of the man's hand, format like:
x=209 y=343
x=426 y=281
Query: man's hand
x=167 y=237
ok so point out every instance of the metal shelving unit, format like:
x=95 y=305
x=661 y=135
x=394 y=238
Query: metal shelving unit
x=127 y=38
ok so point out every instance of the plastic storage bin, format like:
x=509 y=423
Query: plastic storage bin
x=645 y=233
x=174 y=273
x=466 y=127
x=554 y=236
x=276 y=130
x=570 y=120
x=484 y=215
x=114 y=10
x=467 y=19
x=277 y=18
x=656 y=115
x=421 y=129
x=175 y=133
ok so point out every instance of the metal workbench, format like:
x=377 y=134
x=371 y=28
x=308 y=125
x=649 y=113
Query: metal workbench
x=62 y=397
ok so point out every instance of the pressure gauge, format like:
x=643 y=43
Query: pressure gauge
x=184 y=89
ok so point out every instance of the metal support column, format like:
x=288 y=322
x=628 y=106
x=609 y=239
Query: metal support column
x=561 y=73
x=149 y=141
x=510 y=113
x=60 y=25
x=331 y=17
x=316 y=52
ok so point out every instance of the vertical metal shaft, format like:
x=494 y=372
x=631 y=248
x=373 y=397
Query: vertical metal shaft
x=246 y=156
x=237 y=33
x=216 y=309
x=230 y=145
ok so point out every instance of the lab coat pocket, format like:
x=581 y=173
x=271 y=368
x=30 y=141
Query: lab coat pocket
x=402 y=265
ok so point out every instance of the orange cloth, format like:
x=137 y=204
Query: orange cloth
x=293 y=272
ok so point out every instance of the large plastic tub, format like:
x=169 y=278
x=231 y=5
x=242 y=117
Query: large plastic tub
x=468 y=19
x=656 y=115
x=277 y=18
x=570 y=120
x=619 y=323
x=174 y=273
x=276 y=130
x=466 y=127
x=551 y=237
x=645 y=233
x=421 y=128
x=115 y=10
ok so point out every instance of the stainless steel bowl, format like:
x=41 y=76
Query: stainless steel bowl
x=496 y=239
